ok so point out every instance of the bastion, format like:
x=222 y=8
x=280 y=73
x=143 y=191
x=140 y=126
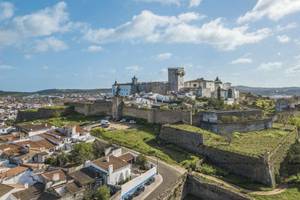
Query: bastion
x=256 y=155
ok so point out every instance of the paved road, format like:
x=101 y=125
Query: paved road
x=170 y=175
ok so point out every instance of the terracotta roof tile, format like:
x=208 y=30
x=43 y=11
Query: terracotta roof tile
x=116 y=162
x=13 y=172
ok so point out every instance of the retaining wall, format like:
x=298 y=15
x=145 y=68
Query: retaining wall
x=96 y=108
x=208 y=190
x=158 y=116
x=41 y=113
x=225 y=128
x=259 y=169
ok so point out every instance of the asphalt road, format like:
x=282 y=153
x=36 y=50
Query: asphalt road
x=170 y=175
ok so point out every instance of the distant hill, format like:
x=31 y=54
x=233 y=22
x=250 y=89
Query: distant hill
x=284 y=91
x=68 y=91
x=55 y=92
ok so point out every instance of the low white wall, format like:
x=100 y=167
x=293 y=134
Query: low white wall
x=127 y=187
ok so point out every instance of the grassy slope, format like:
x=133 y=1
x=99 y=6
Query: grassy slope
x=143 y=140
x=63 y=121
x=253 y=143
x=292 y=193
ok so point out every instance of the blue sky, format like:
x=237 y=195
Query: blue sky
x=90 y=43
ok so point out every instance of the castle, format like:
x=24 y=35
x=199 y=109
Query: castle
x=199 y=87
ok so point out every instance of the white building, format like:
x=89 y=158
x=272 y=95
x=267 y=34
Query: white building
x=5 y=130
x=212 y=89
x=114 y=169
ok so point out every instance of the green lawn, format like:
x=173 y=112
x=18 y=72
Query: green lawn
x=254 y=143
x=143 y=139
x=67 y=120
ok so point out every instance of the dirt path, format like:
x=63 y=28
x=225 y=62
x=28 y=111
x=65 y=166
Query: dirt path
x=280 y=189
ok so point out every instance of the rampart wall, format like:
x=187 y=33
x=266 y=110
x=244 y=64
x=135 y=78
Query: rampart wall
x=258 y=169
x=208 y=190
x=41 y=113
x=247 y=126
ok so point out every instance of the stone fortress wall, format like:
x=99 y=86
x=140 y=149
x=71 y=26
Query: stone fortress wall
x=151 y=115
x=247 y=126
x=225 y=122
x=201 y=188
x=41 y=113
x=118 y=110
x=259 y=169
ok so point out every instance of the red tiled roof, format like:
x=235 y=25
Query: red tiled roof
x=50 y=175
x=40 y=144
x=127 y=157
x=116 y=162
x=13 y=172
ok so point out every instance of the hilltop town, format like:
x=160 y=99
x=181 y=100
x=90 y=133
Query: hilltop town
x=178 y=139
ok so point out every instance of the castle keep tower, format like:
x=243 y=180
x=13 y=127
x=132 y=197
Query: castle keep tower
x=176 y=78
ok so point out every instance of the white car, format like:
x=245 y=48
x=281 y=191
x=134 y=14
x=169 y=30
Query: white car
x=132 y=122
x=123 y=120
x=105 y=123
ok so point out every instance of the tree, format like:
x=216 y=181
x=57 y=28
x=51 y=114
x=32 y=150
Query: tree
x=141 y=160
x=99 y=149
x=102 y=193
x=267 y=106
x=62 y=159
x=82 y=152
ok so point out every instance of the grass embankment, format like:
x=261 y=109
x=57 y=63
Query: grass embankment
x=255 y=143
x=143 y=139
x=66 y=120
x=55 y=107
x=292 y=193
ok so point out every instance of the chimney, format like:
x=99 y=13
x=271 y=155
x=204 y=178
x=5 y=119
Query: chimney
x=110 y=169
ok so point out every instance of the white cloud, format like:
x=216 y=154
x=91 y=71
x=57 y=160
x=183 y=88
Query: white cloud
x=94 y=48
x=283 y=38
x=8 y=37
x=6 y=67
x=272 y=9
x=6 y=10
x=242 y=60
x=293 y=70
x=164 y=56
x=44 y=22
x=289 y=26
x=149 y=27
x=270 y=66
x=195 y=3
x=163 y=2
x=50 y=43
x=133 y=68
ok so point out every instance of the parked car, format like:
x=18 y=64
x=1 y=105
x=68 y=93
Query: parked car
x=105 y=123
x=132 y=122
x=123 y=120
x=139 y=191
x=129 y=197
x=150 y=181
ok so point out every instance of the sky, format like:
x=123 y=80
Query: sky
x=91 y=43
